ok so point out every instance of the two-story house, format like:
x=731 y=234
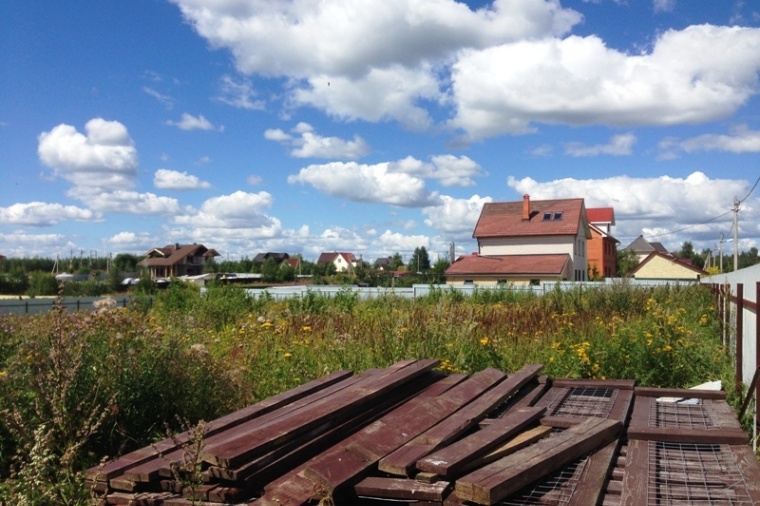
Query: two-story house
x=343 y=262
x=176 y=260
x=527 y=242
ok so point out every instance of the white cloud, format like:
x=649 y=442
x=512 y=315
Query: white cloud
x=239 y=93
x=449 y=170
x=455 y=218
x=391 y=242
x=130 y=202
x=173 y=180
x=741 y=140
x=311 y=145
x=664 y=5
x=366 y=183
x=22 y=244
x=235 y=213
x=164 y=99
x=619 y=145
x=698 y=74
x=643 y=205
x=254 y=180
x=190 y=122
x=370 y=61
x=41 y=214
x=105 y=158
x=134 y=242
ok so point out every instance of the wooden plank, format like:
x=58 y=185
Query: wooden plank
x=530 y=393
x=618 y=384
x=402 y=461
x=326 y=412
x=400 y=488
x=137 y=457
x=160 y=466
x=450 y=461
x=680 y=435
x=680 y=393
x=357 y=454
x=594 y=477
x=506 y=476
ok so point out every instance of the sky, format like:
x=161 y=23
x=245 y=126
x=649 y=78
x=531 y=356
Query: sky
x=371 y=127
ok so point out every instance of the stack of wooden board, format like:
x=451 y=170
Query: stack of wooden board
x=408 y=434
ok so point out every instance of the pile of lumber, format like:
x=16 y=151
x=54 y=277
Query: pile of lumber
x=409 y=434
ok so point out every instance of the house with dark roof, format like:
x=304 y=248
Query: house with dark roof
x=527 y=242
x=602 y=247
x=666 y=267
x=175 y=260
x=343 y=262
x=279 y=258
x=642 y=248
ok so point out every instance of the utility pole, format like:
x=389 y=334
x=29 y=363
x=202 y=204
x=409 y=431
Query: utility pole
x=736 y=233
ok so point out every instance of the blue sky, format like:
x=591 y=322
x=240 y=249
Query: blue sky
x=372 y=127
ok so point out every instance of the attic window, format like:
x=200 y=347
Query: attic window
x=552 y=215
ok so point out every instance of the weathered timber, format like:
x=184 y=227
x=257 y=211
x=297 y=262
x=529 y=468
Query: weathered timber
x=400 y=488
x=595 y=475
x=354 y=456
x=402 y=461
x=161 y=464
x=325 y=412
x=504 y=477
x=450 y=461
x=137 y=457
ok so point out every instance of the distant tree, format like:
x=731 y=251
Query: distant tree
x=270 y=270
x=420 y=261
x=748 y=258
x=626 y=262
x=439 y=269
x=396 y=262
x=687 y=253
x=125 y=262
x=42 y=283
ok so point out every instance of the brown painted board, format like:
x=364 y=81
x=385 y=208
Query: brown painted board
x=402 y=461
x=620 y=384
x=595 y=476
x=498 y=480
x=117 y=467
x=531 y=392
x=160 y=466
x=710 y=420
x=682 y=393
x=353 y=457
x=401 y=488
x=450 y=461
x=326 y=412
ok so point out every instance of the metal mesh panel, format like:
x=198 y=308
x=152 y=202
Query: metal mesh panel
x=556 y=489
x=687 y=473
x=586 y=401
x=680 y=415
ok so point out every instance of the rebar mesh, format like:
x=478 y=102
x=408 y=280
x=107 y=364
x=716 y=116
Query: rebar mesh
x=587 y=401
x=555 y=489
x=680 y=415
x=688 y=473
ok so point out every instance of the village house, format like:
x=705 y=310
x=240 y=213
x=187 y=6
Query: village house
x=278 y=258
x=343 y=262
x=642 y=248
x=666 y=267
x=527 y=242
x=177 y=260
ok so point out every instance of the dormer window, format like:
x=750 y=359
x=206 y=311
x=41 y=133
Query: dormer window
x=557 y=215
x=547 y=216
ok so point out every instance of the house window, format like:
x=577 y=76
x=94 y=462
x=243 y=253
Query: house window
x=547 y=216
x=501 y=282
x=469 y=282
x=557 y=215
x=535 y=282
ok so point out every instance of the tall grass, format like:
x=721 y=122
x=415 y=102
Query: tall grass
x=79 y=387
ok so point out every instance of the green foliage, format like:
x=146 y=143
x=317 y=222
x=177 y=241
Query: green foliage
x=42 y=283
x=420 y=261
x=626 y=261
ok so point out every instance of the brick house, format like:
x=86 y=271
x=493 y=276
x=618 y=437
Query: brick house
x=177 y=260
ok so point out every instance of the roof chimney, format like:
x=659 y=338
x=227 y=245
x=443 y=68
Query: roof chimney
x=526 y=207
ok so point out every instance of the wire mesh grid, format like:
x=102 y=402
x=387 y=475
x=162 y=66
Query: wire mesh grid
x=587 y=401
x=688 y=473
x=679 y=415
x=556 y=489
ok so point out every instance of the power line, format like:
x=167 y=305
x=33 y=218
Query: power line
x=750 y=192
x=690 y=226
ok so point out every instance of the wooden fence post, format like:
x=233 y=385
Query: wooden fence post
x=739 y=336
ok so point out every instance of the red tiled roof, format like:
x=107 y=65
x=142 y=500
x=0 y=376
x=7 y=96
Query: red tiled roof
x=600 y=215
x=174 y=254
x=505 y=219
x=509 y=265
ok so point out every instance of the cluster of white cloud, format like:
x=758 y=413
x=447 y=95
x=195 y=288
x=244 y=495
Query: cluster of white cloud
x=502 y=68
x=308 y=144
